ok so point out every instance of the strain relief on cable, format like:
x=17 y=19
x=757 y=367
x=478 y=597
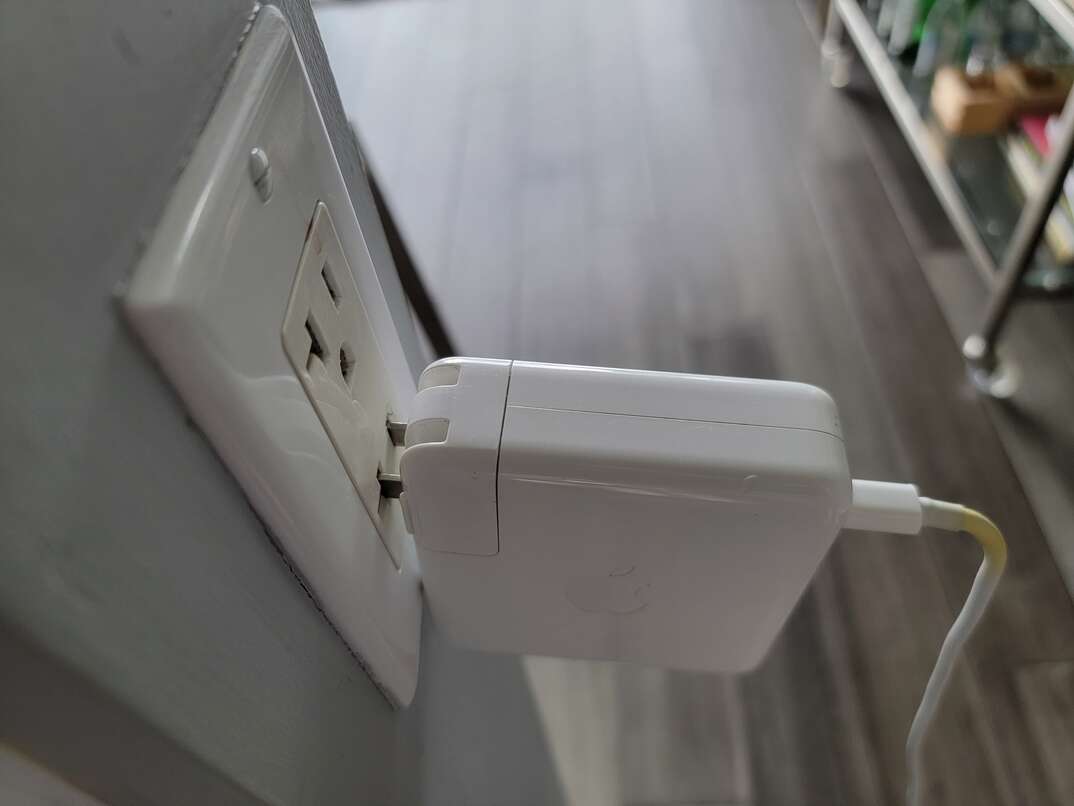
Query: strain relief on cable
x=880 y=506
x=942 y=515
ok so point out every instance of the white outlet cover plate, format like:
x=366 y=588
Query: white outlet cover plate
x=209 y=298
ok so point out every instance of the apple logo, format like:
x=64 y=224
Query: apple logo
x=621 y=592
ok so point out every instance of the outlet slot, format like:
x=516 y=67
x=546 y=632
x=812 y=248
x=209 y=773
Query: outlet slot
x=329 y=283
x=346 y=364
x=316 y=345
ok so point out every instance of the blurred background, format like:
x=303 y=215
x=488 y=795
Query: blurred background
x=678 y=186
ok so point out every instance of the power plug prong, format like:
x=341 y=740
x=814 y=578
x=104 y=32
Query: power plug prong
x=396 y=432
x=391 y=485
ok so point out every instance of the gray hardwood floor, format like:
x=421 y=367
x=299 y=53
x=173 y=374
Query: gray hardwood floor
x=670 y=185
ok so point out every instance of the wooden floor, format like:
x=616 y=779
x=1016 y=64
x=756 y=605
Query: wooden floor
x=670 y=185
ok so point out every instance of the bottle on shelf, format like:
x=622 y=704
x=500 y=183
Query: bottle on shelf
x=984 y=35
x=1021 y=31
x=886 y=18
x=943 y=36
x=906 y=25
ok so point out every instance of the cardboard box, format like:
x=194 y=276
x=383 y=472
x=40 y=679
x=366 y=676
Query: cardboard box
x=965 y=104
x=1033 y=90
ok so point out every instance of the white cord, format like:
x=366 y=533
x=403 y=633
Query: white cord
x=897 y=508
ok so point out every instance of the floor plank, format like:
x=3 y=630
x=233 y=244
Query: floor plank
x=1046 y=691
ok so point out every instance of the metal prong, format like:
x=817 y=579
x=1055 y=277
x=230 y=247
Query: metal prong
x=396 y=432
x=391 y=485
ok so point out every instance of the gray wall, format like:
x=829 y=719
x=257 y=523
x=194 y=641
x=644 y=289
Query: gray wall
x=154 y=646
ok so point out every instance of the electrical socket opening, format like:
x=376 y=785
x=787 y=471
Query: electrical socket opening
x=316 y=348
x=329 y=283
x=346 y=364
x=330 y=344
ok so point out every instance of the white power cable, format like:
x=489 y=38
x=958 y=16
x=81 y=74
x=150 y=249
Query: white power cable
x=879 y=506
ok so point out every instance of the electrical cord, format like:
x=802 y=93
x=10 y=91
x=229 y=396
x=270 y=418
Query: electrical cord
x=994 y=547
x=898 y=508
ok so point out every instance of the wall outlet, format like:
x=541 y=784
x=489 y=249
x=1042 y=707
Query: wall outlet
x=259 y=300
x=331 y=345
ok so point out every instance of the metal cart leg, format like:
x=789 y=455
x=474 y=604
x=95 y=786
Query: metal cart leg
x=980 y=348
x=835 y=59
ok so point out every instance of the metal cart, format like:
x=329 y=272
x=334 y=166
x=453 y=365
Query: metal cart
x=1003 y=265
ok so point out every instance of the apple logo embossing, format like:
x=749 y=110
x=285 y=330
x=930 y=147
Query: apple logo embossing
x=620 y=592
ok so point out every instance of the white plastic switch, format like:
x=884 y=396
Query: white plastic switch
x=258 y=239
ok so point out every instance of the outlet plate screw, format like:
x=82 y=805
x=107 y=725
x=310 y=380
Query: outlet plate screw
x=261 y=172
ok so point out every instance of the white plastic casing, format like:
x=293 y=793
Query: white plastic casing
x=672 y=520
x=209 y=300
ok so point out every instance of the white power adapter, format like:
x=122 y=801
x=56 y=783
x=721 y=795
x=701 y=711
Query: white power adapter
x=667 y=519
